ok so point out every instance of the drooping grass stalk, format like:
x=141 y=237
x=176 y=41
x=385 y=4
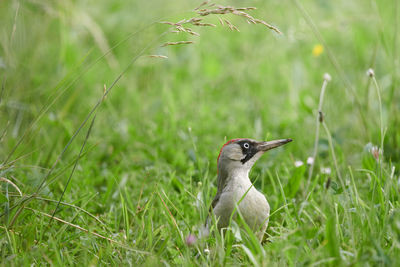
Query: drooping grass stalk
x=51 y=102
x=3 y=179
x=319 y=119
x=214 y=9
x=75 y=207
x=73 y=168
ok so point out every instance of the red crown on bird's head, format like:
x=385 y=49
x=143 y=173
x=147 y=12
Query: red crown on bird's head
x=227 y=143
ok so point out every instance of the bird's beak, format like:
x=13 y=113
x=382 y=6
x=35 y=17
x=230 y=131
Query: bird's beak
x=265 y=146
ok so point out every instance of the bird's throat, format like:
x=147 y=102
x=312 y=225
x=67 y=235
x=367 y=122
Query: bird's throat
x=233 y=180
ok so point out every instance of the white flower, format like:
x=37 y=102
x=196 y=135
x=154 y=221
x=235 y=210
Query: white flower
x=370 y=72
x=310 y=160
x=298 y=163
x=327 y=77
x=326 y=170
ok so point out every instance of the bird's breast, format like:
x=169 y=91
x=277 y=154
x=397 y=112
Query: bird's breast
x=252 y=205
x=255 y=209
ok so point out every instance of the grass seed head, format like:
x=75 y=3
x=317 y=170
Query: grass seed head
x=176 y=43
x=158 y=56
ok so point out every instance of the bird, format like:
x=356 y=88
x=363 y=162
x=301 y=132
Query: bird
x=235 y=191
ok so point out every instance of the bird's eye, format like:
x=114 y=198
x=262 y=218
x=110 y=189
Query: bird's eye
x=246 y=145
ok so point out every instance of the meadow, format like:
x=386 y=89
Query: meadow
x=111 y=122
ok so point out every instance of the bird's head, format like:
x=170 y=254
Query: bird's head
x=241 y=154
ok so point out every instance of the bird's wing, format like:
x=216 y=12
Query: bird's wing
x=214 y=202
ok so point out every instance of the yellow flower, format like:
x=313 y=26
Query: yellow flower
x=318 y=49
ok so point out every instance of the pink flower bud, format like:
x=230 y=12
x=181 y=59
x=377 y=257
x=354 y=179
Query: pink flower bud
x=191 y=240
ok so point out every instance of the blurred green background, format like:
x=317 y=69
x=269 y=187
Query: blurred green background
x=148 y=168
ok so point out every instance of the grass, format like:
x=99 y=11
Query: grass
x=134 y=183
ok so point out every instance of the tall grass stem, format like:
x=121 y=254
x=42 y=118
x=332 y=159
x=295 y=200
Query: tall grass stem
x=319 y=119
x=371 y=74
x=331 y=147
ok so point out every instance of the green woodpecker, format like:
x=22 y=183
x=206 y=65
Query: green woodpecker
x=235 y=189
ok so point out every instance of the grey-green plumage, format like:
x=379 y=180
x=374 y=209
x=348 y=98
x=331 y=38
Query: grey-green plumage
x=235 y=188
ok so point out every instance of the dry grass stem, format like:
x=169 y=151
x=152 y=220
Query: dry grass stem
x=158 y=56
x=172 y=216
x=72 y=206
x=71 y=224
x=169 y=212
x=84 y=230
x=11 y=183
x=176 y=43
